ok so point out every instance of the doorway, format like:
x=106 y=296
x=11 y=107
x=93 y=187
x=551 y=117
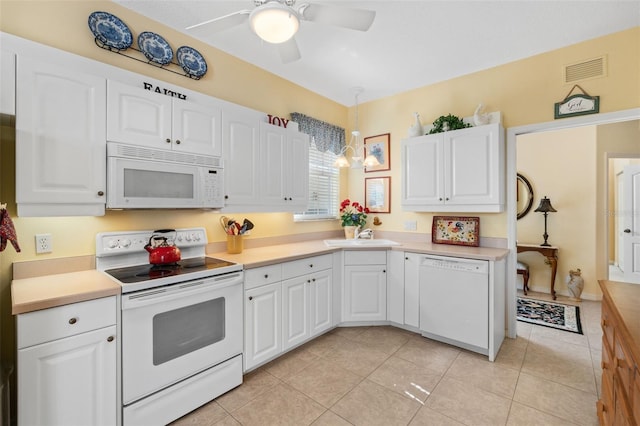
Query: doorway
x=512 y=135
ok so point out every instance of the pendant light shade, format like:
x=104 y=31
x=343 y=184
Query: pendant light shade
x=357 y=160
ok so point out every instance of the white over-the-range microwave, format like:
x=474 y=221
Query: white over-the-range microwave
x=140 y=177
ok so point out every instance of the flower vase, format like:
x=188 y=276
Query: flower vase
x=350 y=232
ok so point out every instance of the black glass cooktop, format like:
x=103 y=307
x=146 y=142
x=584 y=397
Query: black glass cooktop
x=140 y=273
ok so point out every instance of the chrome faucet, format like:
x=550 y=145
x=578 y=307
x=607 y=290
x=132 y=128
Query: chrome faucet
x=364 y=234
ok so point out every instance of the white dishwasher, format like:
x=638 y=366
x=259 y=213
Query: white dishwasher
x=454 y=301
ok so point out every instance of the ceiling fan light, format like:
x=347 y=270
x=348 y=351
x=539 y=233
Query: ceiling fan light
x=274 y=22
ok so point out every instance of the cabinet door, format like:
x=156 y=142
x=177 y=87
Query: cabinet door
x=365 y=291
x=263 y=325
x=70 y=381
x=320 y=295
x=395 y=286
x=295 y=311
x=273 y=147
x=412 y=289
x=241 y=152
x=197 y=128
x=138 y=117
x=297 y=162
x=60 y=139
x=473 y=157
x=7 y=82
x=422 y=174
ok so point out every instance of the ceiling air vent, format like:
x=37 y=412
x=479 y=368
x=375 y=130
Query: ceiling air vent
x=591 y=68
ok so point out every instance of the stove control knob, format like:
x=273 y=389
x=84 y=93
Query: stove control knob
x=187 y=237
x=112 y=243
x=126 y=242
x=179 y=237
x=196 y=237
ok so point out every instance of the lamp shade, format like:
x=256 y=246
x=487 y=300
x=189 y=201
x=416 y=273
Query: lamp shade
x=274 y=22
x=545 y=206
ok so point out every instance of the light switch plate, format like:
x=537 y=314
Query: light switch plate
x=44 y=243
x=410 y=225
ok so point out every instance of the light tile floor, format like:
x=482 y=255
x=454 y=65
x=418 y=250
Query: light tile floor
x=388 y=376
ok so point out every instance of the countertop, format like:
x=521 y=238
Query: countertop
x=31 y=294
x=263 y=256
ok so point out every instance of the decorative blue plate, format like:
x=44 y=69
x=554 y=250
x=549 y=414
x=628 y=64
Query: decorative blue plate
x=155 y=48
x=191 y=61
x=110 y=30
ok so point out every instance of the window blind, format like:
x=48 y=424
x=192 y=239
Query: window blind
x=324 y=180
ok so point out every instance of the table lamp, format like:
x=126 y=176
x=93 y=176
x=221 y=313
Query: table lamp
x=545 y=207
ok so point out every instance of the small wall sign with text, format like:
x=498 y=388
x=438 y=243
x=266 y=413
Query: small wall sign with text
x=278 y=121
x=581 y=104
x=157 y=89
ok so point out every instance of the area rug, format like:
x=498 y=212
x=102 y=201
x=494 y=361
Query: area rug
x=550 y=314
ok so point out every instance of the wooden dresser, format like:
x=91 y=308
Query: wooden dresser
x=619 y=403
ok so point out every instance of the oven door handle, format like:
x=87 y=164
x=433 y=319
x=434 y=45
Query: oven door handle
x=172 y=292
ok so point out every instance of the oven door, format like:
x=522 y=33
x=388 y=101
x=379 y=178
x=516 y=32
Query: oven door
x=173 y=332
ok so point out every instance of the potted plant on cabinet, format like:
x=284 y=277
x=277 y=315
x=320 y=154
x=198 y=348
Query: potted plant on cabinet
x=353 y=216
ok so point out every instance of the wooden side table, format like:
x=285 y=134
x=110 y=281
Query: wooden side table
x=551 y=253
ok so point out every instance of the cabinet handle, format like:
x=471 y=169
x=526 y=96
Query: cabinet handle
x=627 y=231
x=446 y=199
x=110 y=339
x=168 y=140
x=384 y=271
x=100 y=193
x=309 y=281
x=73 y=321
x=226 y=197
x=406 y=258
x=314 y=280
x=290 y=199
x=285 y=198
x=266 y=276
x=439 y=199
x=311 y=265
x=250 y=297
x=178 y=141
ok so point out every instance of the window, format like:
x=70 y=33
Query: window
x=324 y=186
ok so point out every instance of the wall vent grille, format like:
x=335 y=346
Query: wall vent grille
x=592 y=68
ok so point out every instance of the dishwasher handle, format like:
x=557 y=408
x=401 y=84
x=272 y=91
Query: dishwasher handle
x=455 y=264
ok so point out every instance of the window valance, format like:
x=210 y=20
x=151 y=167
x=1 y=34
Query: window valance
x=326 y=136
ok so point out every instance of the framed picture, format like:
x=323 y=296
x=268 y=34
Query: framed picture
x=461 y=231
x=378 y=146
x=377 y=194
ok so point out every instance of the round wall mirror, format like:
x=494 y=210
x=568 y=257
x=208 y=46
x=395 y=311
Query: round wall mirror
x=524 y=196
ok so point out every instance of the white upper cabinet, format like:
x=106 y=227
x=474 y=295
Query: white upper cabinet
x=456 y=171
x=284 y=156
x=142 y=117
x=7 y=82
x=60 y=140
x=241 y=153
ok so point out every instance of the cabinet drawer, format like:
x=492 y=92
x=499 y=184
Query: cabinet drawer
x=624 y=366
x=635 y=396
x=306 y=266
x=261 y=276
x=63 y=321
x=366 y=257
x=607 y=324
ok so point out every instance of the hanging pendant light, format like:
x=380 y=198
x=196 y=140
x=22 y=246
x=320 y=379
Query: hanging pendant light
x=358 y=160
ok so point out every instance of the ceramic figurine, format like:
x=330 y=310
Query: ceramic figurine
x=480 y=117
x=575 y=284
x=416 y=129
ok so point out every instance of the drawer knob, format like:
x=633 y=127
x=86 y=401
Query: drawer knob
x=110 y=339
x=250 y=297
x=311 y=265
x=168 y=140
x=73 y=321
x=100 y=193
x=314 y=280
x=266 y=276
x=178 y=141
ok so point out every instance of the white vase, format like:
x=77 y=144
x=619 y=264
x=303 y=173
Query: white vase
x=350 y=232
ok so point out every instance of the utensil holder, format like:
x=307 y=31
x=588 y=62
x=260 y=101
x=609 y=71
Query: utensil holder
x=234 y=244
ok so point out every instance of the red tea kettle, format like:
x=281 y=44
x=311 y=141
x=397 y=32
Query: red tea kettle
x=161 y=252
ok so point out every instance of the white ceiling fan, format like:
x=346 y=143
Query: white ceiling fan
x=277 y=21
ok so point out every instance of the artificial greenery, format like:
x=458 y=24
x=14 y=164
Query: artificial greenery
x=452 y=121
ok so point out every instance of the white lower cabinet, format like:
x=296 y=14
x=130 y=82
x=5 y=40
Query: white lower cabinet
x=263 y=339
x=67 y=365
x=364 y=296
x=412 y=289
x=285 y=305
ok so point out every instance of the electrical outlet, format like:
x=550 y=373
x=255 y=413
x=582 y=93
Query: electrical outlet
x=410 y=225
x=44 y=243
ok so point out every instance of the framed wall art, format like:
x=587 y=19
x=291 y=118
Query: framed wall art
x=377 y=194
x=456 y=230
x=378 y=146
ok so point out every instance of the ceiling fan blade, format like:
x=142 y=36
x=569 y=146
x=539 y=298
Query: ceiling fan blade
x=219 y=24
x=355 y=19
x=289 y=51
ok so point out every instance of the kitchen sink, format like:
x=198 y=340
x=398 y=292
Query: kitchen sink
x=361 y=243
